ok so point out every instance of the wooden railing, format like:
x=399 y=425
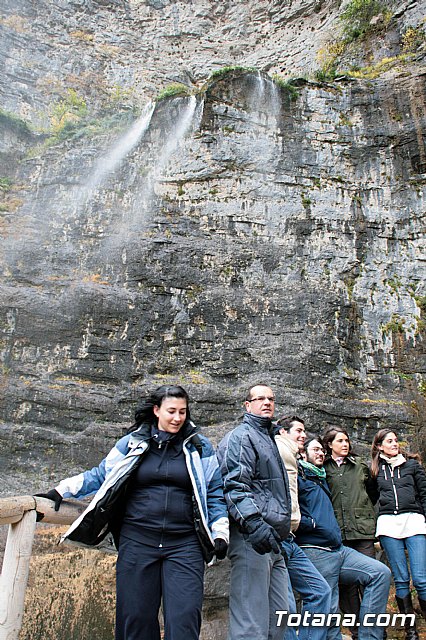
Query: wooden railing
x=20 y=513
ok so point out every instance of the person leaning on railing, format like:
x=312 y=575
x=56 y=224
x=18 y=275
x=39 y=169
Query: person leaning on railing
x=159 y=492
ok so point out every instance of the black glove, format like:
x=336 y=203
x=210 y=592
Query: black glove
x=220 y=548
x=262 y=537
x=53 y=495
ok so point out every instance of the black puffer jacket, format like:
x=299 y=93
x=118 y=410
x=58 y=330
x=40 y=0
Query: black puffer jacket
x=402 y=489
x=255 y=480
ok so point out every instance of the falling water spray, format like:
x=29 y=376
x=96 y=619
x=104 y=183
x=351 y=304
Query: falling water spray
x=107 y=164
x=183 y=126
x=135 y=218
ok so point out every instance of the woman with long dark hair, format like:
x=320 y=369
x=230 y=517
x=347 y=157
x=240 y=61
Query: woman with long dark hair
x=159 y=492
x=401 y=525
x=352 y=494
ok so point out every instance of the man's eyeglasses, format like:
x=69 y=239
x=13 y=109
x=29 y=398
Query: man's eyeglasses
x=262 y=399
x=316 y=449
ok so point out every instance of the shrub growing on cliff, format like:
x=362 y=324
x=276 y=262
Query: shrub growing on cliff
x=357 y=18
x=374 y=71
x=5 y=184
x=14 y=122
x=224 y=71
x=328 y=57
x=412 y=39
x=174 y=89
x=286 y=85
x=69 y=110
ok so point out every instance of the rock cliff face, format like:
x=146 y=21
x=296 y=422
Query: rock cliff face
x=141 y=45
x=256 y=230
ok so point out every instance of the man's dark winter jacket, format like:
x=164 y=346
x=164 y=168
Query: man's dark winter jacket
x=255 y=480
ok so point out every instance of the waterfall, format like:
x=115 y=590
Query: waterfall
x=134 y=218
x=264 y=110
x=108 y=163
x=265 y=99
x=182 y=128
x=262 y=138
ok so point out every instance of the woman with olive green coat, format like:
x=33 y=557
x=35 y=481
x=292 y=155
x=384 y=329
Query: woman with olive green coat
x=353 y=494
x=352 y=491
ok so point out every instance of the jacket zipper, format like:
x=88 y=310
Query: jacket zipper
x=166 y=503
x=393 y=485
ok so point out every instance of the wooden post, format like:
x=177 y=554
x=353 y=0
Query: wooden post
x=20 y=513
x=14 y=576
x=12 y=509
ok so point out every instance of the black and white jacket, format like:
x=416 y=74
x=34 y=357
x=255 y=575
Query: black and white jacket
x=402 y=488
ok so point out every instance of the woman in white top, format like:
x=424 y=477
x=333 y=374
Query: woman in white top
x=401 y=526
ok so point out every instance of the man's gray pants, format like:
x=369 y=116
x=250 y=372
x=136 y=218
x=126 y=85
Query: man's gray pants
x=258 y=588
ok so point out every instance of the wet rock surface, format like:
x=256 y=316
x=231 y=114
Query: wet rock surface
x=277 y=242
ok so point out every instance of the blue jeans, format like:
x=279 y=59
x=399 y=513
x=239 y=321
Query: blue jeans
x=258 y=588
x=349 y=566
x=395 y=551
x=312 y=588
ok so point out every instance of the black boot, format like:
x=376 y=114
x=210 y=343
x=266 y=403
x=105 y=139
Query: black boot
x=405 y=605
x=422 y=604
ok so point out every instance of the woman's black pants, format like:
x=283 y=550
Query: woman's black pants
x=147 y=574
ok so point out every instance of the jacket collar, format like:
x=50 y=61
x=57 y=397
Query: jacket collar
x=189 y=429
x=349 y=458
x=283 y=437
x=258 y=422
x=145 y=431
